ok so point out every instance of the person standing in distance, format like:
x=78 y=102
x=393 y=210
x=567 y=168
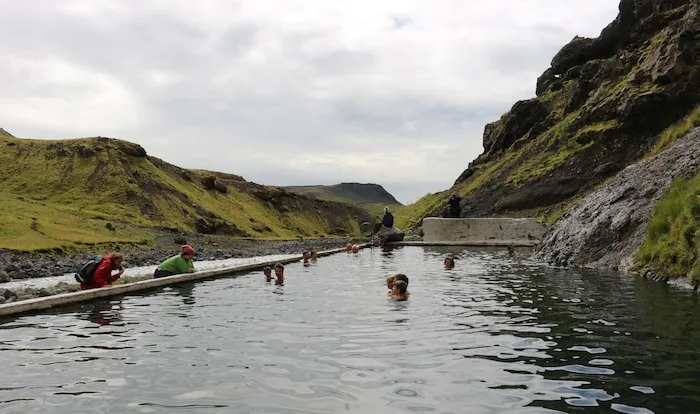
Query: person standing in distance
x=455 y=209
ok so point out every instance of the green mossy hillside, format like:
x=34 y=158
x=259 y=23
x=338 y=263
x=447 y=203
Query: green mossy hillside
x=672 y=245
x=95 y=190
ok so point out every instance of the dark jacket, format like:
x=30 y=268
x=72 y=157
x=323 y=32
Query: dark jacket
x=454 y=205
x=388 y=220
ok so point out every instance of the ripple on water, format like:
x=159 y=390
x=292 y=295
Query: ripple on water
x=480 y=338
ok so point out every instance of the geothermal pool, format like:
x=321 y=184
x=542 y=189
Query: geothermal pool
x=493 y=335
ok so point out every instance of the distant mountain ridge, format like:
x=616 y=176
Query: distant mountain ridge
x=372 y=197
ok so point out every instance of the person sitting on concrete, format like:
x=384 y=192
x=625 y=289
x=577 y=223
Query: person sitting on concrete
x=267 y=271
x=178 y=264
x=103 y=273
x=455 y=208
x=388 y=219
x=449 y=261
x=399 y=291
x=279 y=273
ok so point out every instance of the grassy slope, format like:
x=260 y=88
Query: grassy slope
x=51 y=196
x=672 y=242
x=339 y=193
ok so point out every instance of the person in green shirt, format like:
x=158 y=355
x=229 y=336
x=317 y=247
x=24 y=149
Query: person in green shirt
x=181 y=263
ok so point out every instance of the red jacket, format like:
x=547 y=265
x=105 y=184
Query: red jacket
x=103 y=275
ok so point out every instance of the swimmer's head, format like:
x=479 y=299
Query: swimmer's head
x=400 y=287
x=390 y=282
x=279 y=270
x=348 y=247
x=401 y=277
x=355 y=248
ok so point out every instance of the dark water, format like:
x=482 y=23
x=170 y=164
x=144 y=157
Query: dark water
x=493 y=335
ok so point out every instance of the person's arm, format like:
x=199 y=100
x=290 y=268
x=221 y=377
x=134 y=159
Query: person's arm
x=103 y=273
x=190 y=266
x=114 y=278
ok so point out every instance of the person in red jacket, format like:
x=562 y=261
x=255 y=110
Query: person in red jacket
x=103 y=274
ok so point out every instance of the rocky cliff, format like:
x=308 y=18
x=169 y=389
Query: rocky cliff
x=604 y=104
x=607 y=228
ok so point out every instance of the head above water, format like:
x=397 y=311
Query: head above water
x=279 y=270
x=348 y=247
x=390 y=282
x=355 y=248
x=400 y=287
x=400 y=277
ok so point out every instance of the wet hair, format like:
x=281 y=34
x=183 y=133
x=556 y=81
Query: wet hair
x=400 y=277
x=279 y=266
x=267 y=269
x=390 y=281
x=401 y=286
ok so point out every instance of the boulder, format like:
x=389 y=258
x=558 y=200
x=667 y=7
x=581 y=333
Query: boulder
x=524 y=115
x=4 y=277
x=6 y=296
x=390 y=234
x=18 y=274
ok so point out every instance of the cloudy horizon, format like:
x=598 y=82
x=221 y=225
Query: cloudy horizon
x=300 y=92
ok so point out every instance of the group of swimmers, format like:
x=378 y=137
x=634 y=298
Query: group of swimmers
x=183 y=262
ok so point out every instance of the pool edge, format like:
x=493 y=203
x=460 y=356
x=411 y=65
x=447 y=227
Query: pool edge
x=48 y=302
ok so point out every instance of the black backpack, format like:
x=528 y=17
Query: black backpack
x=87 y=270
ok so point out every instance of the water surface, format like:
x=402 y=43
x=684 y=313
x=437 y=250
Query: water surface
x=493 y=335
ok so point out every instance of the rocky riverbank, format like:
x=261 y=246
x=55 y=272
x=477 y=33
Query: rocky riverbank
x=606 y=228
x=17 y=265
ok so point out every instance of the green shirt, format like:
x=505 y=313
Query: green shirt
x=177 y=264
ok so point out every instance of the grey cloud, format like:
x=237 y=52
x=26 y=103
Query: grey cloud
x=250 y=92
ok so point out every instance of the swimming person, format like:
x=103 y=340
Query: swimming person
x=348 y=248
x=267 y=271
x=306 y=256
x=390 y=282
x=314 y=255
x=400 y=290
x=178 y=264
x=355 y=248
x=449 y=261
x=401 y=277
x=279 y=273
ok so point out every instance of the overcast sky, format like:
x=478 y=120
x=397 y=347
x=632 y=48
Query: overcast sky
x=284 y=92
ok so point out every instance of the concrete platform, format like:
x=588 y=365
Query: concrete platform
x=48 y=302
x=474 y=243
x=483 y=231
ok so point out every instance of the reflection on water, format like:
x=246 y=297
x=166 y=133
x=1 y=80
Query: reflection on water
x=495 y=334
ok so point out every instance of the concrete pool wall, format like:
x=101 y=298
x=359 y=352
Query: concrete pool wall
x=482 y=231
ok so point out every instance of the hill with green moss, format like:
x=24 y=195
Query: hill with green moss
x=604 y=104
x=97 y=190
x=371 y=197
